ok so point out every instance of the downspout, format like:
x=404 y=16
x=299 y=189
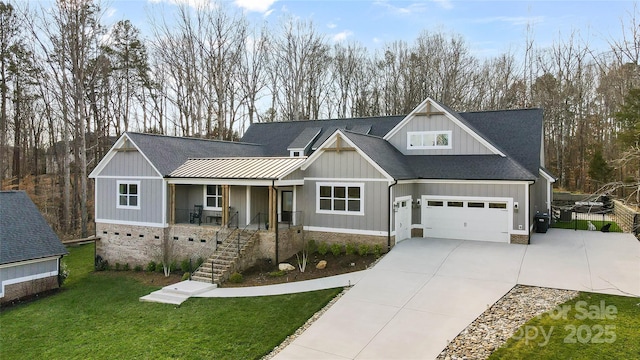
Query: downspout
x=275 y=228
x=390 y=208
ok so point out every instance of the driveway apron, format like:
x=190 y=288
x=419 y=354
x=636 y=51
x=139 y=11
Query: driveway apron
x=425 y=291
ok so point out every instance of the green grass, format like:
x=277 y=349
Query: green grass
x=98 y=316
x=571 y=337
x=583 y=225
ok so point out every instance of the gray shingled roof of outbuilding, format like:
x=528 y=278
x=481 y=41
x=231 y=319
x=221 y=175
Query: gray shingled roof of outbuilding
x=167 y=153
x=24 y=233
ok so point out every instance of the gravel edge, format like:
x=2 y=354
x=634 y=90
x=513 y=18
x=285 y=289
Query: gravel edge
x=500 y=322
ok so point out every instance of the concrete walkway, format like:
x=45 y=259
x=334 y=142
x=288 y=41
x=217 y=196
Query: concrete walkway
x=178 y=293
x=425 y=291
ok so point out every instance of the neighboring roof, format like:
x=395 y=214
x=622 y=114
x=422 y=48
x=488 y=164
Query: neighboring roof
x=517 y=132
x=24 y=233
x=167 y=153
x=270 y=168
x=276 y=136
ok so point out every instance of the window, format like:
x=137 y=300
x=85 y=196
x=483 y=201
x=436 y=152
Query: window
x=497 y=206
x=213 y=197
x=454 y=204
x=429 y=140
x=128 y=195
x=340 y=199
x=435 y=203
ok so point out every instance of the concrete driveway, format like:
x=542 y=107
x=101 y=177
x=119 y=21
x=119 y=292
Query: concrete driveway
x=425 y=291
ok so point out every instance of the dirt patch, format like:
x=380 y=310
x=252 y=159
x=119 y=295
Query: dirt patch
x=266 y=273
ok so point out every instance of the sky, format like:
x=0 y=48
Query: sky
x=489 y=27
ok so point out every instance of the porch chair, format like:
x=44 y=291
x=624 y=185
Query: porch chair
x=196 y=214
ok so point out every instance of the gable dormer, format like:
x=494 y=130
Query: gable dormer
x=432 y=129
x=301 y=145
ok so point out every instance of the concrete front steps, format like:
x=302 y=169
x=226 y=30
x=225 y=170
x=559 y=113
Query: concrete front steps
x=216 y=268
x=178 y=293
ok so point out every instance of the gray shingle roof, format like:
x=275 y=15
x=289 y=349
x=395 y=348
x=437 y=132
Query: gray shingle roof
x=276 y=136
x=304 y=139
x=384 y=154
x=24 y=233
x=518 y=133
x=468 y=167
x=167 y=153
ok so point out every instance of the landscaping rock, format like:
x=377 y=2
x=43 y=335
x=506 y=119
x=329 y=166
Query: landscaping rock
x=501 y=321
x=286 y=267
x=321 y=264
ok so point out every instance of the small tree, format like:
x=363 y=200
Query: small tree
x=599 y=169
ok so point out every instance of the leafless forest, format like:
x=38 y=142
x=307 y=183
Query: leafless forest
x=71 y=83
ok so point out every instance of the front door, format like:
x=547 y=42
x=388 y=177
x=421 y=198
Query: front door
x=403 y=218
x=287 y=206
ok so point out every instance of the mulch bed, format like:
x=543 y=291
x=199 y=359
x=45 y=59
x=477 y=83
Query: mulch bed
x=263 y=273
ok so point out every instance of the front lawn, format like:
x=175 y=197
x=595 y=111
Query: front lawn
x=591 y=326
x=98 y=316
x=584 y=225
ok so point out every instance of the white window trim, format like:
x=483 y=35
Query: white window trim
x=340 y=212
x=204 y=194
x=435 y=147
x=127 y=182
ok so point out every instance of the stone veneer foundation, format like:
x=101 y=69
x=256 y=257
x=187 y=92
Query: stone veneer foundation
x=20 y=290
x=520 y=239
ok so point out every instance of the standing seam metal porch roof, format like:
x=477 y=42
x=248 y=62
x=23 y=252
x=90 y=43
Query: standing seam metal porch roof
x=255 y=168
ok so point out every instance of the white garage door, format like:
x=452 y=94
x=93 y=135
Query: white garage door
x=484 y=219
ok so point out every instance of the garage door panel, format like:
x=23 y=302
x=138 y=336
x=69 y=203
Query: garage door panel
x=482 y=222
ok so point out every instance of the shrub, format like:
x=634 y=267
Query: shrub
x=277 y=273
x=118 y=266
x=159 y=267
x=186 y=276
x=137 y=268
x=323 y=249
x=236 y=278
x=377 y=250
x=199 y=262
x=126 y=267
x=312 y=246
x=173 y=266
x=185 y=265
x=151 y=266
x=363 y=249
x=101 y=264
x=336 y=249
x=349 y=249
x=63 y=274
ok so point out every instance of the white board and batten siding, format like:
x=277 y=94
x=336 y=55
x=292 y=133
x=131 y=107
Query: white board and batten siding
x=129 y=166
x=26 y=271
x=462 y=143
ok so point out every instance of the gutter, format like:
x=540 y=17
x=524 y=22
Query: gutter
x=389 y=208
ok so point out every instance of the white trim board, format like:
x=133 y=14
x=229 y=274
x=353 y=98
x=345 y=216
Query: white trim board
x=346 y=179
x=27 y=262
x=133 y=223
x=345 y=231
x=444 y=181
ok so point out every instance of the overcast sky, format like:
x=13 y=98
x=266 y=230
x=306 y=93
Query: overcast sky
x=489 y=27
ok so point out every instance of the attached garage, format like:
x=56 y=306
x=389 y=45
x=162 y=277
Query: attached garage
x=467 y=218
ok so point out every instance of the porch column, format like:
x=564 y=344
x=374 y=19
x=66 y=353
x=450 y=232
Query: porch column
x=225 y=204
x=172 y=204
x=273 y=213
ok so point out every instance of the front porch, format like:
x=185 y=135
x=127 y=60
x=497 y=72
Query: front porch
x=233 y=206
